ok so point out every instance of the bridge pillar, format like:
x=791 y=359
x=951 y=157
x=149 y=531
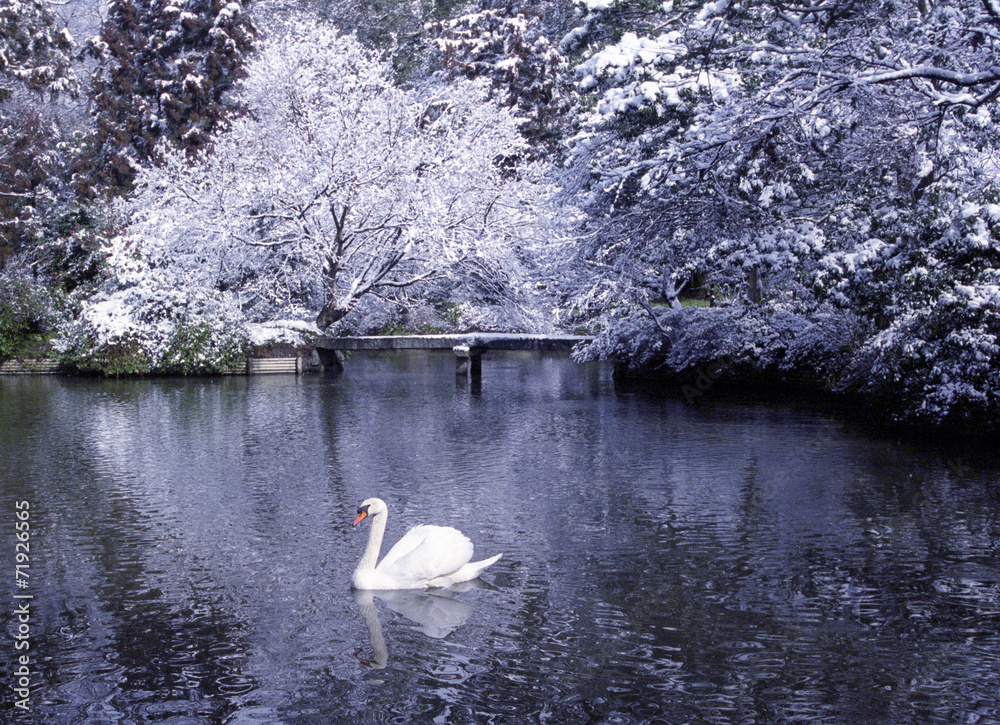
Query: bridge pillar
x=332 y=361
x=469 y=360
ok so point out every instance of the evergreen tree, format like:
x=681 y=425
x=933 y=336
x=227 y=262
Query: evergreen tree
x=34 y=58
x=165 y=68
x=28 y=163
x=528 y=72
x=34 y=51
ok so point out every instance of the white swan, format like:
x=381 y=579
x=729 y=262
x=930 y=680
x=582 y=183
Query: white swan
x=427 y=556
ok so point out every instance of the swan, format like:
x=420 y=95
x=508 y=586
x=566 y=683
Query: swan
x=427 y=556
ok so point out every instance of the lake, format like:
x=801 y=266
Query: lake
x=728 y=562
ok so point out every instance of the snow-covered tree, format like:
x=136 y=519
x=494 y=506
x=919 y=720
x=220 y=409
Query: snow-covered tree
x=525 y=67
x=746 y=119
x=336 y=186
x=35 y=62
x=34 y=49
x=930 y=279
x=848 y=145
x=164 y=69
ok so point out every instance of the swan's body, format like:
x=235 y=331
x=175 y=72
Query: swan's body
x=426 y=556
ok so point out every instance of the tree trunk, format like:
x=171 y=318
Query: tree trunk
x=329 y=315
x=670 y=292
x=754 y=293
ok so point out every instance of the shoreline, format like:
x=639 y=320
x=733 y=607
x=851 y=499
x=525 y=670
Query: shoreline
x=712 y=384
x=755 y=388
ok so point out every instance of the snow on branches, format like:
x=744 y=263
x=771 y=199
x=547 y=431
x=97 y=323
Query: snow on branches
x=768 y=113
x=34 y=51
x=847 y=147
x=335 y=187
x=164 y=69
x=513 y=52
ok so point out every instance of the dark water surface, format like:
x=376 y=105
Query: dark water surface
x=191 y=551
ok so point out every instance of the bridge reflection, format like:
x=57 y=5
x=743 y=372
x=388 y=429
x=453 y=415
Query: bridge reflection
x=469 y=347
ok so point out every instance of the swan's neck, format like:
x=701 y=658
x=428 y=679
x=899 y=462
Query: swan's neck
x=370 y=556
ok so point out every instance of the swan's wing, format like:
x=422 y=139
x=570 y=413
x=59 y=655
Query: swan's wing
x=426 y=552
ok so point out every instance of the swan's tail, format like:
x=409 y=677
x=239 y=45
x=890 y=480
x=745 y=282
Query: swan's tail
x=470 y=571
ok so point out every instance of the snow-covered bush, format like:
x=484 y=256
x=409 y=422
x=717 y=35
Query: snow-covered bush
x=155 y=327
x=29 y=316
x=281 y=333
x=750 y=343
x=939 y=364
x=634 y=342
x=824 y=348
x=381 y=317
x=928 y=277
x=72 y=251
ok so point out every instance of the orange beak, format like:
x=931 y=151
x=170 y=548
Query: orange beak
x=361 y=516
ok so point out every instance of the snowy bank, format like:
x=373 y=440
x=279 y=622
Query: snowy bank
x=911 y=376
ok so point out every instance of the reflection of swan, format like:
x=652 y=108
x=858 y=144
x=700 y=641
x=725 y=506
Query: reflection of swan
x=437 y=613
x=370 y=613
x=426 y=556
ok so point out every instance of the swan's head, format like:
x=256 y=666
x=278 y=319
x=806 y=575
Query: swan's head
x=370 y=507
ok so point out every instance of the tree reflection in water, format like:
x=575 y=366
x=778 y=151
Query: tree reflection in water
x=721 y=563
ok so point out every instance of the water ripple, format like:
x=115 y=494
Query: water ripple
x=662 y=563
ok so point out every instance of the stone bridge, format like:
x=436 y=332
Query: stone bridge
x=468 y=347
